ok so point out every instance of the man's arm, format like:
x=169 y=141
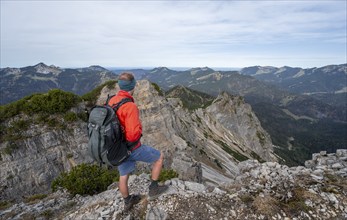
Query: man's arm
x=133 y=127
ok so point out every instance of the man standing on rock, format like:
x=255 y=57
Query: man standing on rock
x=129 y=118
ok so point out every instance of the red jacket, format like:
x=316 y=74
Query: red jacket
x=129 y=117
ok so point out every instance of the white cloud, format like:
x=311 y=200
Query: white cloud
x=171 y=33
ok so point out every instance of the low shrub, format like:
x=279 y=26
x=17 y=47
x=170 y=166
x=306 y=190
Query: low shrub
x=167 y=175
x=156 y=87
x=83 y=116
x=70 y=117
x=85 y=179
x=91 y=97
x=55 y=101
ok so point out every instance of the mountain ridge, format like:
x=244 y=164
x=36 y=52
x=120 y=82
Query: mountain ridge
x=197 y=144
x=319 y=109
x=302 y=81
x=16 y=83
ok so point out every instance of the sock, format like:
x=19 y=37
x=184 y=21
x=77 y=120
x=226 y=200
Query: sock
x=154 y=183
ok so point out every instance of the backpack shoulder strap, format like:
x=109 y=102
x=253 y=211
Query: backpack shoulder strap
x=119 y=104
x=109 y=97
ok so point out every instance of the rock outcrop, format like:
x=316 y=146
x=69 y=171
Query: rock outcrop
x=211 y=140
x=35 y=162
x=260 y=191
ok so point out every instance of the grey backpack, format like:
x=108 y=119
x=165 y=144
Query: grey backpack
x=107 y=144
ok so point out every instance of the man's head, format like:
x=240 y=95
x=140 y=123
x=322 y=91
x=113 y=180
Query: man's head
x=126 y=81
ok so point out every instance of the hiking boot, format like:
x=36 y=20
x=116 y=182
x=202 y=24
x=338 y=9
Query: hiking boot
x=156 y=191
x=129 y=203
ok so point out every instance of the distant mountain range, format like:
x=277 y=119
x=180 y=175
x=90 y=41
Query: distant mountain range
x=304 y=110
x=328 y=83
x=327 y=79
x=15 y=83
x=255 y=91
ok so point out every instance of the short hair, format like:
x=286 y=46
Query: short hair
x=126 y=76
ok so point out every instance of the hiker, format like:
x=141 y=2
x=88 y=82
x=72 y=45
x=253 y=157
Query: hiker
x=128 y=115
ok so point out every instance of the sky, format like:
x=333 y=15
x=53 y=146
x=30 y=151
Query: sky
x=303 y=33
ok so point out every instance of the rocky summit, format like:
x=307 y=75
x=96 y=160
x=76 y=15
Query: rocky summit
x=260 y=191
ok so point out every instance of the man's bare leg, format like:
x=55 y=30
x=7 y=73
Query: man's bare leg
x=154 y=189
x=123 y=186
x=129 y=200
x=157 y=167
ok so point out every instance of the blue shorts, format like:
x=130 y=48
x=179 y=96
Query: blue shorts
x=144 y=153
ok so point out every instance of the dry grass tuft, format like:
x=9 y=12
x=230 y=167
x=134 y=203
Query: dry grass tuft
x=265 y=205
